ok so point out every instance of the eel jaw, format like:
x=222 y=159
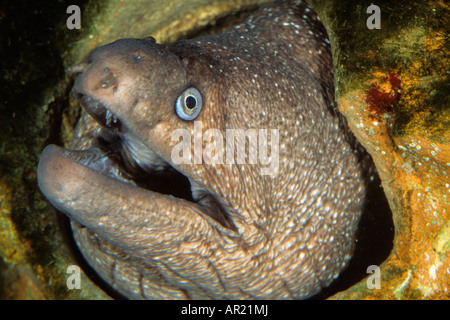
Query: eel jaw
x=90 y=188
x=119 y=174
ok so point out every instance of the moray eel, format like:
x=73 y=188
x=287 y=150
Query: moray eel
x=280 y=227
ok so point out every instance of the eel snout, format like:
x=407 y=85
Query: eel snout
x=129 y=82
x=98 y=86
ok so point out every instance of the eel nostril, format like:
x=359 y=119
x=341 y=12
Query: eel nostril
x=108 y=81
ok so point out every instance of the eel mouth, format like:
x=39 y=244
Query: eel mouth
x=127 y=159
x=122 y=160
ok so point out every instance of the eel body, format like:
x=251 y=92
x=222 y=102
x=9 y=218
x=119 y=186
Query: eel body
x=166 y=203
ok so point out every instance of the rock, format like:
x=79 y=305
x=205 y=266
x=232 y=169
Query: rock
x=392 y=85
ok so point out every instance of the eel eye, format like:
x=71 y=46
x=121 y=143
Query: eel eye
x=189 y=104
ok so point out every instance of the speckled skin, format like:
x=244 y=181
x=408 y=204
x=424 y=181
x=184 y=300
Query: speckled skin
x=246 y=235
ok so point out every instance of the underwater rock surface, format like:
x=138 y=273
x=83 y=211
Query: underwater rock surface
x=392 y=84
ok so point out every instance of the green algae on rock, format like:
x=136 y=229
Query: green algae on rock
x=406 y=132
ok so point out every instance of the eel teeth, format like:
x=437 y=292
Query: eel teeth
x=111 y=119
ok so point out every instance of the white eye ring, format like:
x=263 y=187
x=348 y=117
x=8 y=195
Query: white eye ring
x=189 y=104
